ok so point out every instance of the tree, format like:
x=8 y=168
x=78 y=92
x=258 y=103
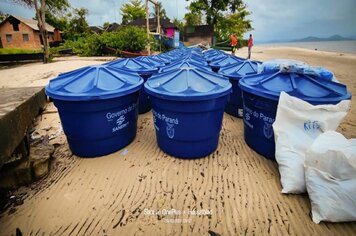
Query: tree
x=192 y=19
x=162 y=11
x=40 y=7
x=78 y=24
x=3 y=16
x=133 y=10
x=57 y=20
x=214 y=9
x=106 y=25
x=235 y=22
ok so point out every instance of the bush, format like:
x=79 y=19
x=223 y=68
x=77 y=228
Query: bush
x=19 y=51
x=132 y=39
x=128 y=38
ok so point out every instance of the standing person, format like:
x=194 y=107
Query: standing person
x=233 y=43
x=249 y=45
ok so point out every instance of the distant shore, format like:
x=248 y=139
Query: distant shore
x=347 y=46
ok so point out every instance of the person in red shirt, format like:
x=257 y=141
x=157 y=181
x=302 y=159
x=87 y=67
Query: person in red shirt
x=249 y=45
x=233 y=43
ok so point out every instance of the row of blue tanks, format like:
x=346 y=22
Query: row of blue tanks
x=188 y=91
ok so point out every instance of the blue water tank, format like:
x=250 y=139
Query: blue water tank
x=215 y=56
x=144 y=69
x=151 y=60
x=260 y=99
x=168 y=57
x=235 y=72
x=210 y=52
x=195 y=59
x=162 y=59
x=184 y=63
x=217 y=63
x=188 y=106
x=97 y=106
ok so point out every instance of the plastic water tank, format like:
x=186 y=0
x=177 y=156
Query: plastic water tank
x=97 y=106
x=235 y=72
x=152 y=61
x=144 y=69
x=217 y=63
x=260 y=99
x=188 y=106
x=182 y=64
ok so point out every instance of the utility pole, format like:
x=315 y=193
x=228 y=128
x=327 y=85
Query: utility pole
x=148 y=30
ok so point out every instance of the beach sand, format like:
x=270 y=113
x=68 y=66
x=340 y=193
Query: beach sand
x=116 y=194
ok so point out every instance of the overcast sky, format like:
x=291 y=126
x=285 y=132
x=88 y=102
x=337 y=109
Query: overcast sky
x=271 y=19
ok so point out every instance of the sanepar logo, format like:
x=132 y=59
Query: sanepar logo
x=120 y=120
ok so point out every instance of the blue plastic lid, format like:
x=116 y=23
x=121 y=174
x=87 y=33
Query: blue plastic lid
x=162 y=59
x=194 y=59
x=156 y=62
x=211 y=52
x=216 y=57
x=239 y=69
x=134 y=65
x=168 y=57
x=187 y=84
x=226 y=61
x=183 y=63
x=308 y=88
x=93 y=83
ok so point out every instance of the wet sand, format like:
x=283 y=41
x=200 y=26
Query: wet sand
x=237 y=189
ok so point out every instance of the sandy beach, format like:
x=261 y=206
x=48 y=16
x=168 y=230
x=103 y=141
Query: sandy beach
x=233 y=191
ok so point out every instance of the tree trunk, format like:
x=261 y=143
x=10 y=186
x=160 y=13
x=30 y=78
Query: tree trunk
x=40 y=13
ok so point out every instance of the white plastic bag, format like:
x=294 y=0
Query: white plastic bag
x=297 y=125
x=330 y=173
x=299 y=67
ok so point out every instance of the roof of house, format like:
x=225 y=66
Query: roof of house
x=165 y=23
x=29 y=22
x=112 y=27
x=96 y=29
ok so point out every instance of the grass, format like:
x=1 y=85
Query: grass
x=19 y=51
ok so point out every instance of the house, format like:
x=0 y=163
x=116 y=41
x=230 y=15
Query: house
x=113 y=27
x=197 y=34
x=18 y=32
x=96 y=29
x=167 y=27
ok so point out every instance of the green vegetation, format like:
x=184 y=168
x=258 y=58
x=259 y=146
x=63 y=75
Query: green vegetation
x=129 y=38
x=19 y=51
x=2 y=16
x=41 y=7
x=192 y=19
x=162 y=11
x=227 y=16
x=132 y=11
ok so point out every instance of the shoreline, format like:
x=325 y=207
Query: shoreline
x=336 y=46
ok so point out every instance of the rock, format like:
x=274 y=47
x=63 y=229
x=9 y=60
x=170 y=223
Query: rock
x=14 y=176
x=40 y=156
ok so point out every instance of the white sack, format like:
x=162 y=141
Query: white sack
x=297 y=125
x=330 y=173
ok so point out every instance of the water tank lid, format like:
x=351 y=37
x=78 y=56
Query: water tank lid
x=188 y=84
x=308 y=88
x=93 y=83
x=184 y=63
x=224 y=61
x=240 y=69
x=134 y=65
